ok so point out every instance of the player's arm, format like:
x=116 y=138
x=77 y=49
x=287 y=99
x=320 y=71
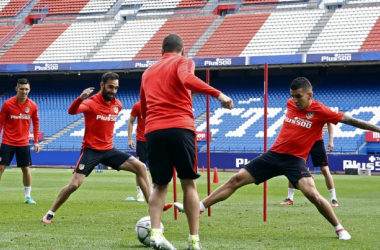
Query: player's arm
x=185 y=73
x=3 y=115
x=36 y=130
x=131 y=144
x=142 y=102
x=330 y=129
x=76 y=106
x=346 y=119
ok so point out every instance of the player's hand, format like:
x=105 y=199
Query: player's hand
x=36 y=147
x=86 y=93
x=330 y=146
x=131 y=144
x=225 y=101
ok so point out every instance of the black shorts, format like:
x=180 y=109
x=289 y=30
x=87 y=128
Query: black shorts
x=22 y=155
x=272 y=164
x=168 y=148
x=90 y=158
x=318 y=154
x=141 y=151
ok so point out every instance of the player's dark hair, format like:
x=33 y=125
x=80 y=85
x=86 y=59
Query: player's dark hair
x=109 y=76
x=22 y=81
x=172 y=43
x=301 y=82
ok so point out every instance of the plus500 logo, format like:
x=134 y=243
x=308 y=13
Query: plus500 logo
x=218 y=62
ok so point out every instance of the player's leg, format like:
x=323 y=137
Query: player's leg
x=88 y=159
x=141 y=156
x=307 y=187
x=320 y=159
x=6 y=156
x=242 y=178
x=24 y=161
x=161 y=169
x=330 y=185
x=289 y=199
x=139 y=169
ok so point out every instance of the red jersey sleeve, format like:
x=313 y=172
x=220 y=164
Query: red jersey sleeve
x=36 y=124
x=78 y=107
x=135 y=110
x=186 y=75
x=331 y=116
x=3 y=115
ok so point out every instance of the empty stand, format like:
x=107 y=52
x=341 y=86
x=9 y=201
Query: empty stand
x=129 y=40
x=232 y=35
x=96 y=6
x=62 y=6
x=189 y=28
x=346 y=31
x=282 y=33
x=33 y=43
x=10 y=8
x=77 y=40
x=372 y=41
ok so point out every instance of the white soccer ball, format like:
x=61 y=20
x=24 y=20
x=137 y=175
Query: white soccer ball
x=142 y=230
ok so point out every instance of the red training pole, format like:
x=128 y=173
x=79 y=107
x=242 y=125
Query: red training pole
x=265 y=130
x=208 y=139
x=175 y=192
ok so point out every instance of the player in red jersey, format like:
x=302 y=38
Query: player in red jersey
x=303 y=122
x=140 y=140
x=100 y=114
x=166 y=104
x=319 y=157
x=15 y=117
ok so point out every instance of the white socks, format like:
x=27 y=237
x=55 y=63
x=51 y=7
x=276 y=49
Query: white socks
x=27 y=191
x=338 y=227
x=196 y=236
x=158 y=230
x=139 y=191
x=333 y=194
x=202 y=207
x=51 y=212
x=291 y=193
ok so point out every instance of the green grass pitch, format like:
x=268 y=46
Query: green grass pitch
x=98 y=217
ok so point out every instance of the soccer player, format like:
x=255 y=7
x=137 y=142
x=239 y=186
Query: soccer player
x=100 y=113
x=15 y=116
x=140 y=140
x=303 y=122
x=166 y=104
x=319 y=158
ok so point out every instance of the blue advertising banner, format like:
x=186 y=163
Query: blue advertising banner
x=97 y=65
x=139 y=64
x=48 y=66
x=333 y=57
x=220 y=61
x=283 y=59
x=370 y=56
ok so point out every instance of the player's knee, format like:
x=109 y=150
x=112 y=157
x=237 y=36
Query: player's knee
x=2 y=168
x=72 y=187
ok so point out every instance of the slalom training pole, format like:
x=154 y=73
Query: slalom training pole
x=265 y=130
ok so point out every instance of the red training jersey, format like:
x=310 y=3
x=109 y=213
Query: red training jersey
x=301 y=128
x=165 y=93
x=99 y=120
x=15 y=118
x=140 y=131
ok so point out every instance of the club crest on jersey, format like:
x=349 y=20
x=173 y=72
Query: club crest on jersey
x=116 y=109
x=27 y=110
x=309 y=115
x=81 y=166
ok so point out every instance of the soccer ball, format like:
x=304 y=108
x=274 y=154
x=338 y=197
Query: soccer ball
x=142 y=230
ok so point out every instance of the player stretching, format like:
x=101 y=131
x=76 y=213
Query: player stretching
x=100 y=113
x=319 y=158
x=15 y=117
x=303 y=122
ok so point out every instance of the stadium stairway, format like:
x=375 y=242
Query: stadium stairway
x=313 y=35
x=14 y=40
